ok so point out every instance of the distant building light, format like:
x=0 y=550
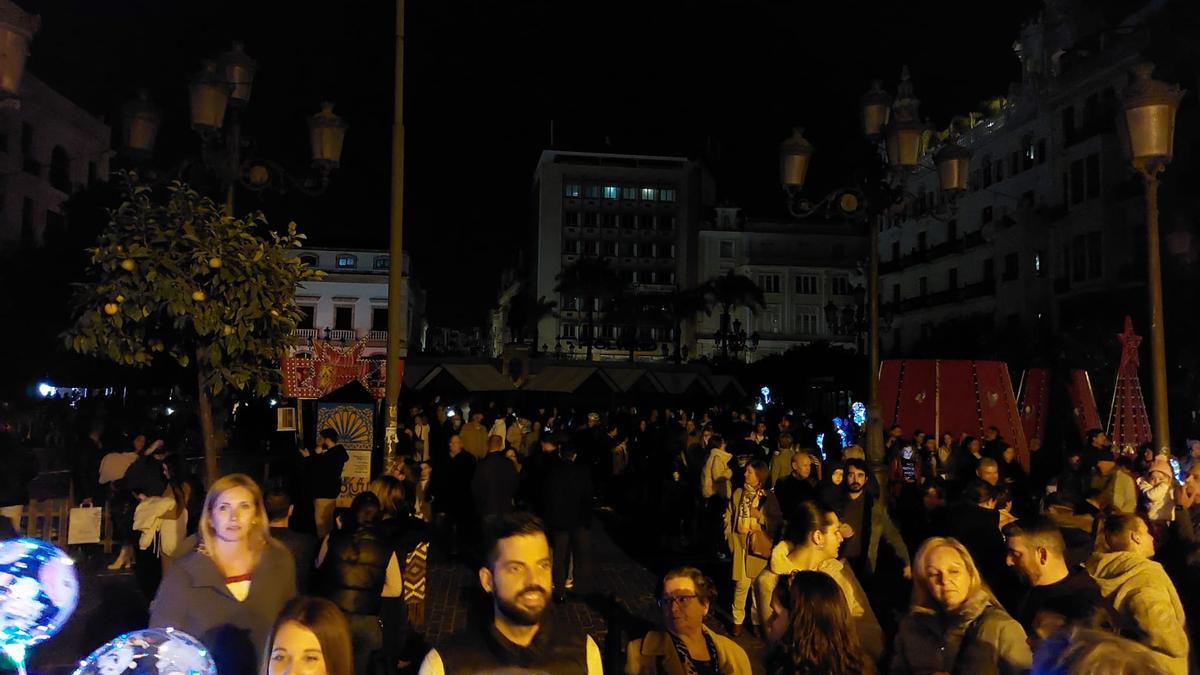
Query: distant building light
x=45 y=390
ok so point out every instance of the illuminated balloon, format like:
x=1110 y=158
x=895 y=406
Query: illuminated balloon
x=38 y=591
x=154 y=651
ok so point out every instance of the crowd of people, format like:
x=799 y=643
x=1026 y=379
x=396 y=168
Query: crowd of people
x=944 y=554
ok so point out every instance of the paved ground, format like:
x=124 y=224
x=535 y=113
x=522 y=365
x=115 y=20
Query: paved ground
x=620 y=605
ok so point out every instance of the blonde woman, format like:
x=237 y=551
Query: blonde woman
x=229 y=589
x=955 y=624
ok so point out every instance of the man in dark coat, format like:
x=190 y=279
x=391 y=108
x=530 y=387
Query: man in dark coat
x=975 y=523
x=567 y=495
x=452 y=494
x=302 y=545
x=534 y=472
x=798 y=486
x=323 y=470
x=495 y=482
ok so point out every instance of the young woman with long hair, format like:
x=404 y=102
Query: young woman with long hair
x=310 y=636
x=229 y=589
x=812 y=630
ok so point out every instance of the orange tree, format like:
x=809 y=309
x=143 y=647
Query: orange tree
x=171 y=277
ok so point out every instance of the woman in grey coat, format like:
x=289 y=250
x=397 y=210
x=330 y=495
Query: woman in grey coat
x=229 y=588
x=956 y=625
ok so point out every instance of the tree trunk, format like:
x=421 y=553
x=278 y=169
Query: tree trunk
x=204 y=403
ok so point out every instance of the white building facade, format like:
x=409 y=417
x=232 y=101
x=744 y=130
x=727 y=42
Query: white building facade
x=351 y=302
x=49 y=147
x=809 y=272
x=1051 y=226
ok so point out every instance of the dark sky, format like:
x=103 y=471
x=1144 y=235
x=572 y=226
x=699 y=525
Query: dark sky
x=484 y=79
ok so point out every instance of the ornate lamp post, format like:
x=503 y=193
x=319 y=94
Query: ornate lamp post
x=899 y=125
x=17 y=29
x=1149 y=123
x=732 y=339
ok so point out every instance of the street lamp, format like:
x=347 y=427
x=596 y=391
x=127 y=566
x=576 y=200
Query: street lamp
x=1149 y=125
x=732 y=339
x=904 y=136
x=142 y=120
x=16 y=32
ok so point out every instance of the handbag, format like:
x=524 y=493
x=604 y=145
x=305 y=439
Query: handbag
x=758 y=544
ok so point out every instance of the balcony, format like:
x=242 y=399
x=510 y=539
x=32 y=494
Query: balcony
x=965 y=243
x=377 y=338
x=343 y=335
x=969 y=292
x=304 y=335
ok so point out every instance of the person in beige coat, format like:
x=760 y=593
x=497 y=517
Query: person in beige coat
x=810 y=543
x=752 y=509
x=686 y=645
x=956 y=625
x=1138 y=590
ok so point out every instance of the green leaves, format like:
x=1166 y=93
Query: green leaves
x=187 y=281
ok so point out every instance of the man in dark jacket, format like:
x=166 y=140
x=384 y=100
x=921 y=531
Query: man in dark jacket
x=323 y=470
x=975 y=523
x=358 y=569
x=865 y=523
x=798 y=486
x=567 y=495
x=85 y=467
x=534 y=472
x=495 y=482
x=1036 y=551
x=302 y=545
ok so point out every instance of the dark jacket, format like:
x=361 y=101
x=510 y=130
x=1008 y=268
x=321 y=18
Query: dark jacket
x=85 y=471
x=145 y=475
x=567 y=495
x=324 y=471
x=978 y=529
x=19 y=468
x=533 y=479
x=792 y=491
x=556 y=648
x=193 y=598
x=354 y=570
x=981 y=639
x=878 y=526
x=494 y=485
x=451 y=485
x=303 y=547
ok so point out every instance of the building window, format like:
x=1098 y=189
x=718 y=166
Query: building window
x=1011 y=267
x=612 y=192
x=634 y=249
x=952 y=279
x=60 y=169
x=951 y=230
x=379 y=318
x=568 y=330
x=1038 y=269
x=571 y=219
x=592 y=248
x=1068 y=124
x=999 y=170
x=609 y=220
x=840 y=285
x=896 y=293
x=1095 y=248
x=31 y=165
x=922 y=241
x=666 y=195
x=1077 y=182
x=572 y=190
x=593 y=191
x=1028 y=153
x=307 y=314
x=895 y=250
x=806 y=284
x=989 y=269
x=649 y=194
x=343 y=318
x=922 y=286
x=727 y=249
x=346 y=261
x=610 y=248
x=671 y=275
x=985 y=216
x=1041 y=151
x=310 y=260
x=1079 y=258
x=806 y=321
x=1014 y=163
x=27 y=222
x=666 y=222
x=381 y=262
x=769 y=283
x=987 y=172
x=1092 y=171
x=591 y=219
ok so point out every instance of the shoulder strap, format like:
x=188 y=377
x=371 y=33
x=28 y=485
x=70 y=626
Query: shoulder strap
x=969 y=636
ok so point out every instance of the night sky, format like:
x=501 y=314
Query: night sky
x=724 y=81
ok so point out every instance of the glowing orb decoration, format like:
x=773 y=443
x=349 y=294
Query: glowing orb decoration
x=858 y=412
x=155 y=651
x=39 y=589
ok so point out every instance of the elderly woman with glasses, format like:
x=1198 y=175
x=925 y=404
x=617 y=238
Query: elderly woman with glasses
x=686 y=646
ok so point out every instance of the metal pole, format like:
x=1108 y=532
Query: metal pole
x=1158 y=349
x=396 y=345
x=874 y=448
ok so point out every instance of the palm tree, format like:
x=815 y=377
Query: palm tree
x=525 y=312
x=732 y=290
x=593 y=280
x=683 y=305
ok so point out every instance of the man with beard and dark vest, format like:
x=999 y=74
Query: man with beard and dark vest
x=516 y=574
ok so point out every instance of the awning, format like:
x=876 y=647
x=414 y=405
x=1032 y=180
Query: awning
x=568 y=380
x=630 y=379
x=726 y=385
x=679 y=383
x=471 y=377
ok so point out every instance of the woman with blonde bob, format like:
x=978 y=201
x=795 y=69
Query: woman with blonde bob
x=955 y=624
x=229 y=589
x=310 y=636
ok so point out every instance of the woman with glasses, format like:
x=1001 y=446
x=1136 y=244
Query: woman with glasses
x=686 y=646
x=955 y=624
